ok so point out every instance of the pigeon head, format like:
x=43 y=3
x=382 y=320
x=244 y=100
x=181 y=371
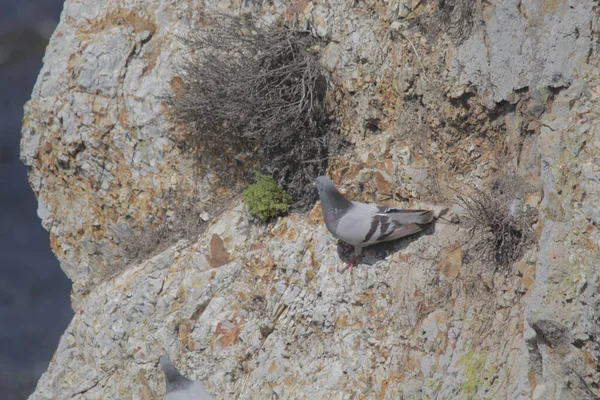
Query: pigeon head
x=331 y=200
x=323 y=184
x=170 y=371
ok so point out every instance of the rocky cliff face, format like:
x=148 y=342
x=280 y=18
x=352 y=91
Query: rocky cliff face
x=434 y=99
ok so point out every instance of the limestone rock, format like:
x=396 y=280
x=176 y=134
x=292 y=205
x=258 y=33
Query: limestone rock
x=260 y=311
x=534 y=44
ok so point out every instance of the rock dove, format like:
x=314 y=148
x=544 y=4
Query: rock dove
x=361 y=224
x=178 y=386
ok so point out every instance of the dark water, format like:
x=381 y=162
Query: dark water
x=34 y=293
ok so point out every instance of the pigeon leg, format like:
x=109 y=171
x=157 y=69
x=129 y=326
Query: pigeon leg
x=357 y=252
x=351 y=263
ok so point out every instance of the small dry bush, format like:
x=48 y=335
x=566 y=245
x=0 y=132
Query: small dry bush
x=186 y=218
x=500 y=227
x=183 y=223
x=253 y=96
x=454 y=18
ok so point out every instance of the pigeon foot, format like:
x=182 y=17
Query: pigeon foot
x=351 y=263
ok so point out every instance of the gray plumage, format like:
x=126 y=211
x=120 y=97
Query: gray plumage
x=361 y=224
x=178 y=386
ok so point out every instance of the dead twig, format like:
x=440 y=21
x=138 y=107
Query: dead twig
x=500 y=228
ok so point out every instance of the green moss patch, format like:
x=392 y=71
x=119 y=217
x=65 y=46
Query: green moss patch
x=266 y=199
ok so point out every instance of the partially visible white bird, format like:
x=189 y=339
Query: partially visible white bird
x=361 y=224
x=178 y=386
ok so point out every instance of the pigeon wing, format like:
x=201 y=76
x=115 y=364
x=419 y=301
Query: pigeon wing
x=354 y=226
x=365 y=224
x=407 y=216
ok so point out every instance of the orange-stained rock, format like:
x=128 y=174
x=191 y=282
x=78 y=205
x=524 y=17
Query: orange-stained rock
x=315 y=216
x=451 y=262
x=217 y=253
x=382 y=184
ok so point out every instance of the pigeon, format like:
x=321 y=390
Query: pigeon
x=178 y=386
x=360 y=224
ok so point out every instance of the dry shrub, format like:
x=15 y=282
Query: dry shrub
x=454 y=18
x=186 y=218
x=140 y=244
x=500 y=226
x=253 y=95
